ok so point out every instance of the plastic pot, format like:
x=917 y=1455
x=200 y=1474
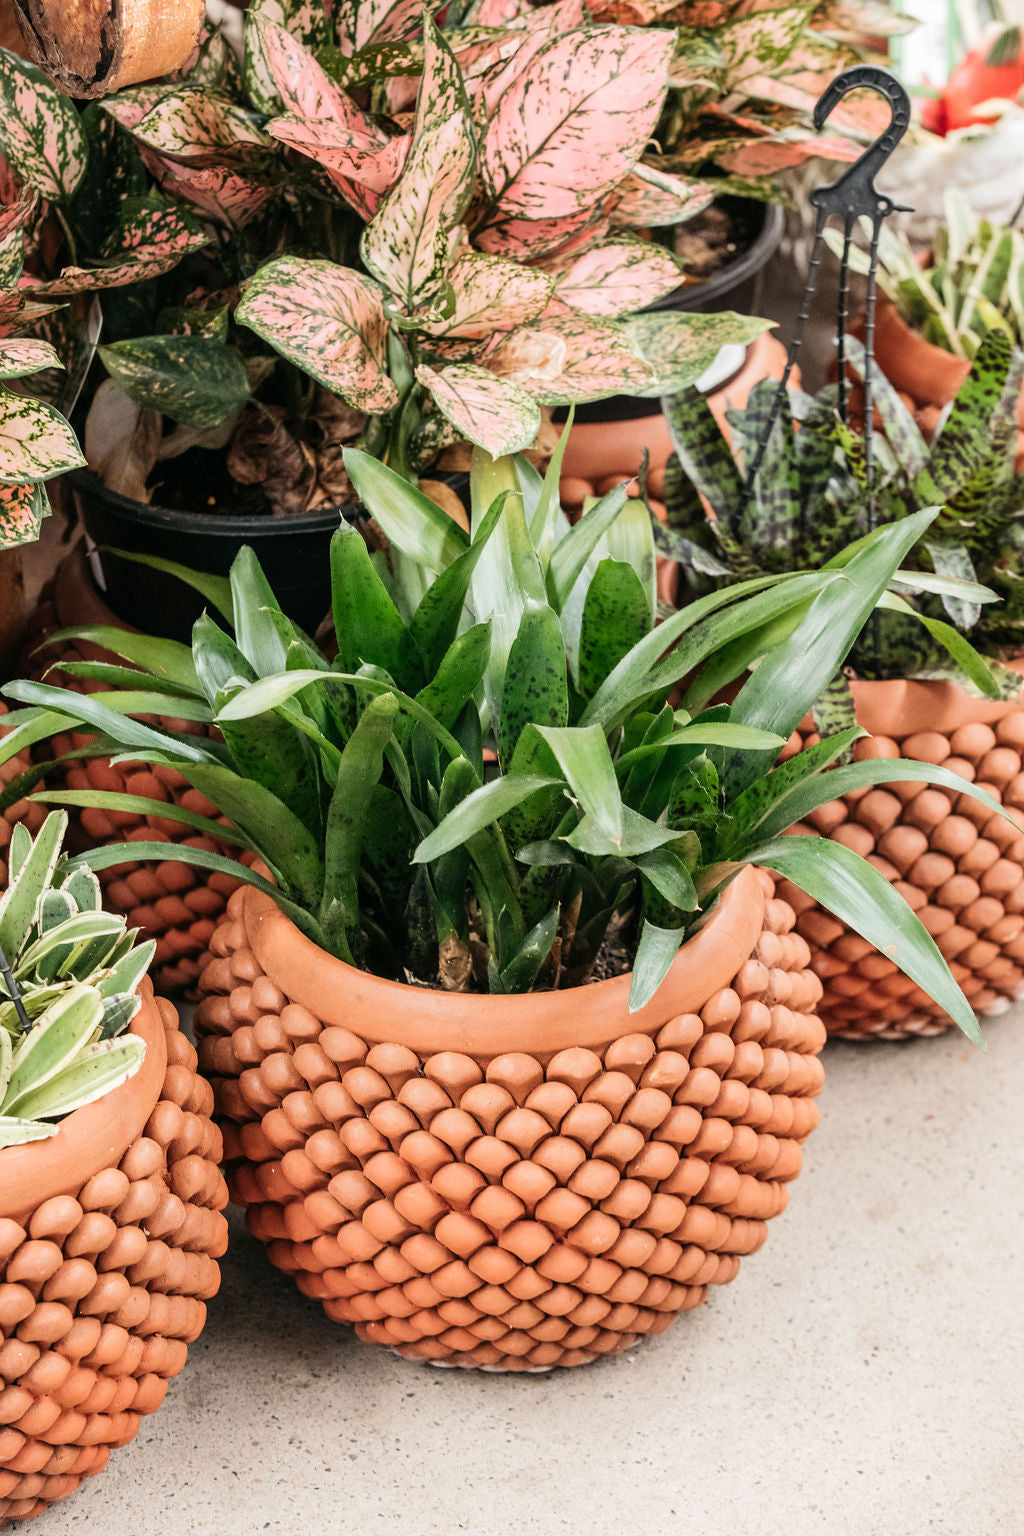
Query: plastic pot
x=512 y=1182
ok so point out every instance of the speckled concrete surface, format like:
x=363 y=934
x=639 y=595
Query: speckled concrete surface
x=864 y=1376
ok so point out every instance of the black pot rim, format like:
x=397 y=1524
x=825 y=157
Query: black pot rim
x=213 y=524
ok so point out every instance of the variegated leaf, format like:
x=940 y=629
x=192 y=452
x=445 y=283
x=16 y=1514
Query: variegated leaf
x=575 y=122
x=39 y=130
x=194 y=380
x=329 y=321
x=408 y=243
x=26 y=356
x=362 y=23
x=619 y=277
x=306 y=21
x=494 y=413
x=198 y=128
x=491 y=294
x=216 y=192
x=22 y=509
x=679 y=346
x=650 y=199
x=152 y=242
x=35 y=440
x=598 y=360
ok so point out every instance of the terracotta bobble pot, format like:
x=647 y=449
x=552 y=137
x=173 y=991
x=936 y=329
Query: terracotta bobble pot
x=174 y=904
x=512 y=1182
x=958 y=865
x=32 y=814
x=110 y=1234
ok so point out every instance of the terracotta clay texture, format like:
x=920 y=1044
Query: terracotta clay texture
x=959 y=866
x=110 y=1234
x=512 y=1182
x=23 y=810
x=174 y=904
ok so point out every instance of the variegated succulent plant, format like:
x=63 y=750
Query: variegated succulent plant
x=811 y=496
x=380 y=229
x=70 y=978
x=36 y=442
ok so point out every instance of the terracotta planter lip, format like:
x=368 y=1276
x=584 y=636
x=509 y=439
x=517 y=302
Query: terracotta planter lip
x=428 y=1021
x=93 y=1137
x=907 y=706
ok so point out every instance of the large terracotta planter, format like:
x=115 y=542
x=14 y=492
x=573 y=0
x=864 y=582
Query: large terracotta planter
x=174 y=904
x=512 y=1182
x=959 y=866
x=110 y=1234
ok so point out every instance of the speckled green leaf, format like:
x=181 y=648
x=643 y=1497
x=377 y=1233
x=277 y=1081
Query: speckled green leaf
x=327 y=319
x=195 y=380
x=407 y=245
x=35 y=440
x=493 y=412
x=39 y=130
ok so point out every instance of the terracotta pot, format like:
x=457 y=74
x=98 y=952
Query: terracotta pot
x=599 y=454
x=91 y=49
x=959 y=866
x=174 y=904
x=110 y=1234
x=512 y=1182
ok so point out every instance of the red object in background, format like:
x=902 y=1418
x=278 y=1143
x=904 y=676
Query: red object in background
x=994 y=71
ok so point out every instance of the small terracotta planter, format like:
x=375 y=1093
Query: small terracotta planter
x=174 y=904
x=512 y=1182
x=110 y=1234
x=959 y=866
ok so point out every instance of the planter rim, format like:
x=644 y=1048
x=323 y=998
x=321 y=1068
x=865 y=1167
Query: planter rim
x=93 y=1137
x=428 y=1021
x=906 y=706
x=211 y=523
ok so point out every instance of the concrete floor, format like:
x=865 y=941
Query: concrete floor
x=864 y=1376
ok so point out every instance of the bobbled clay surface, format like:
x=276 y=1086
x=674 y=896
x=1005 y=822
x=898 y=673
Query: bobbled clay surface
x=104 y=1280
x=549 y=1196
x=958 y=865
x=174 y=904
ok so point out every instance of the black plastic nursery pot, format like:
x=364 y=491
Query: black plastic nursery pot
x=293 y=551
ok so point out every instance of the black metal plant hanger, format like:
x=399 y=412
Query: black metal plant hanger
x=853 y=197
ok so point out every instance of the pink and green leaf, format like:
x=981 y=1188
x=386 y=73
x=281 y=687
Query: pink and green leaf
x=329 y=321
x=494 y=413
x=617 y=278
x=39 y=130
x=408 y=243
x=574 y=122
x=35 y=440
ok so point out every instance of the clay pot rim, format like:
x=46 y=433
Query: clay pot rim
x=91 y=1138
x=429 y=1021
x=902 y=706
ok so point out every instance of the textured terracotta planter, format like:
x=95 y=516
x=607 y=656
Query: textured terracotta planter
x=176 y=905
x=959 y=866
x=93 y=47
x=512 y=1182
x=110 y=1234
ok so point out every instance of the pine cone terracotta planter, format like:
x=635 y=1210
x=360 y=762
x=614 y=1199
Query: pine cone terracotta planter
x=174 y=904
x=959 y=866
x=109 y=1239
x=512 y=1182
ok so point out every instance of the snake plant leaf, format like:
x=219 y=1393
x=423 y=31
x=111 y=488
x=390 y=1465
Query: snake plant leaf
x=615 y=617
x=407 y=244
x=20 y=901
x=859 y=896
x=54 y=1041
x=40 y=134
x=655 y=953
x=326 y=319
x=492 y=412
x=96 y=1071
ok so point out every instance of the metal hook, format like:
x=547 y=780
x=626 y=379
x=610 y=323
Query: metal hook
x=852 y=196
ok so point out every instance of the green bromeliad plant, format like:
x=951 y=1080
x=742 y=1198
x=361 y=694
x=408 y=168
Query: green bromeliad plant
x=69 y=988
x=812 y=496
x=488 y=784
